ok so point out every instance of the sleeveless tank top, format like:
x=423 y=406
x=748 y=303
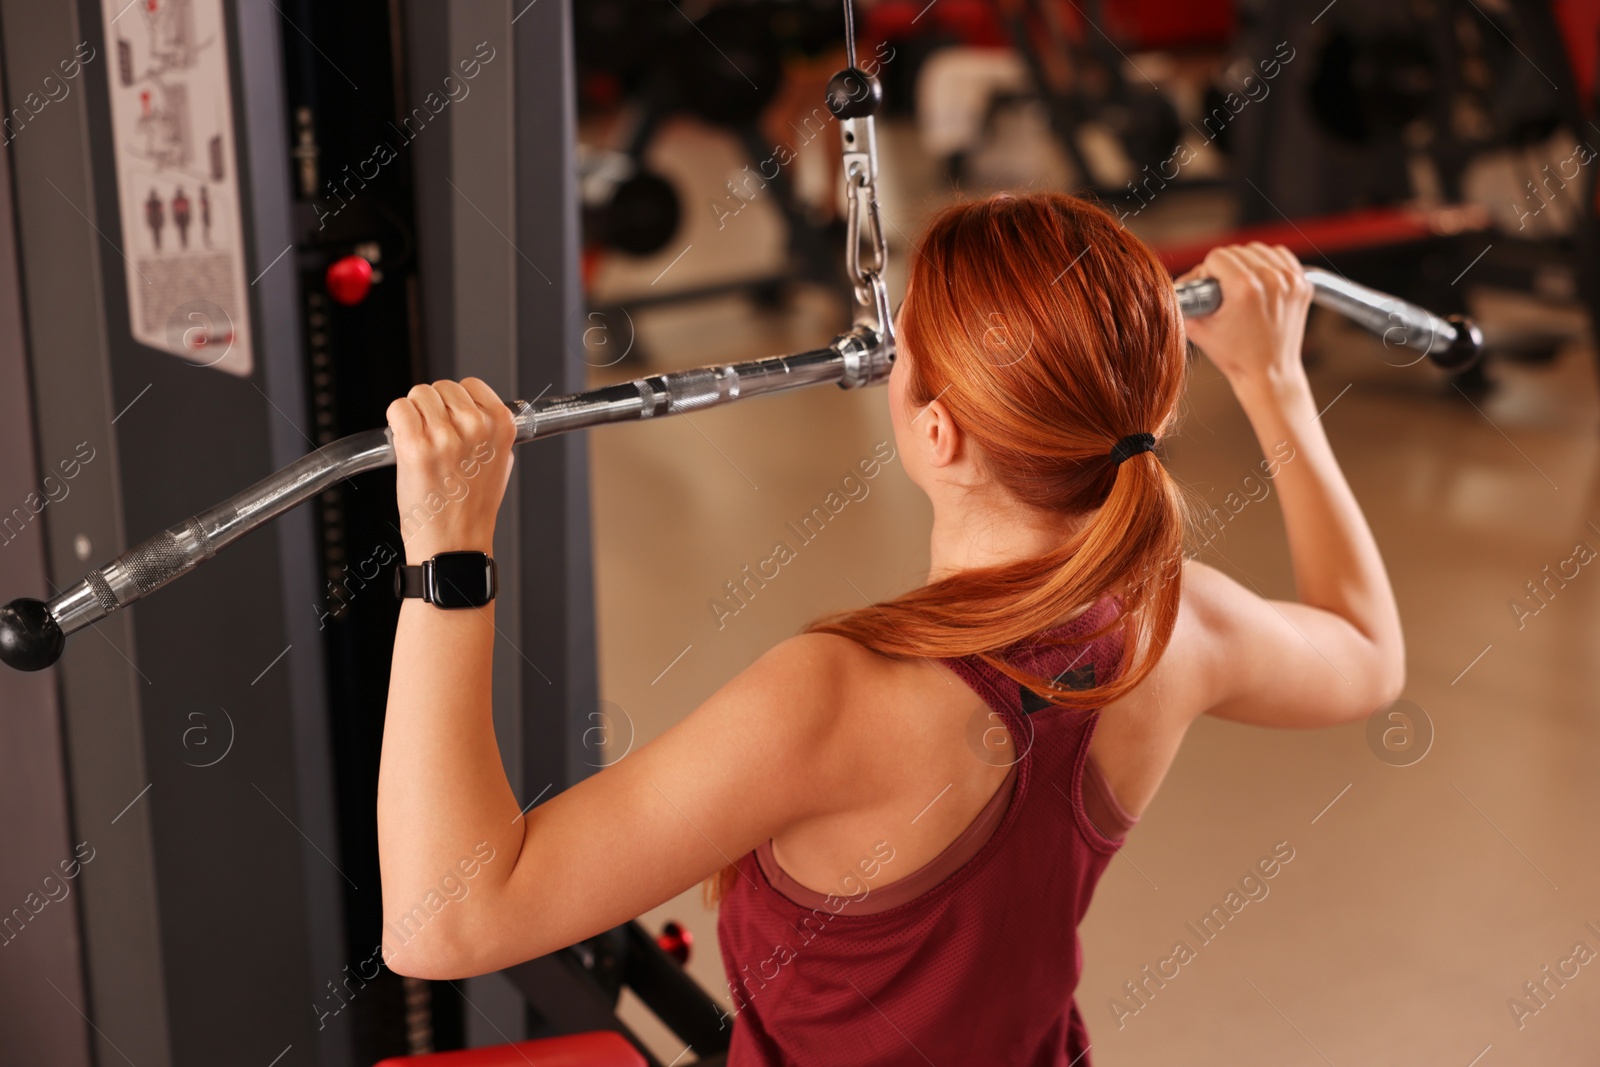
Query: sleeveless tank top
x=974 y=957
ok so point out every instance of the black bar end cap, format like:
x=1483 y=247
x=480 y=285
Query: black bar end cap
x=1465 y=349
x=30 y=639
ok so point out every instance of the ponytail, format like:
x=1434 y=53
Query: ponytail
x=1130 y=549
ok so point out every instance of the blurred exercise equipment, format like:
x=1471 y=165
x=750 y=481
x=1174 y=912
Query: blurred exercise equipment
x=1400 y=108
x=625 y=206
x=730 y=88
x=1078 y=71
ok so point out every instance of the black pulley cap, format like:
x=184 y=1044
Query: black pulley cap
x=853 y=94
x=1465 y=349
x=30 y=640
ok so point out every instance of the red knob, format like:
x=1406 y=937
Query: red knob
x=675 y=941
x=350 y=280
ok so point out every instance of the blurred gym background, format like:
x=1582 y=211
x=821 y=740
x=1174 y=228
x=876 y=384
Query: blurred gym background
x=1432 y=150
x=634 y=186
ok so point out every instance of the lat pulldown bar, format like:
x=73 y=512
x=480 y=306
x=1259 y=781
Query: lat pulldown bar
x=33 y=633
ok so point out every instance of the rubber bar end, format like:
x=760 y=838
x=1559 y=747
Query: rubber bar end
x=1465 y=350
x=30 y=639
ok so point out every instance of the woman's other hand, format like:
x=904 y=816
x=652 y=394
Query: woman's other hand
x=1254 y=338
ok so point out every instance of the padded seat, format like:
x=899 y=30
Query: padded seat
x=602 y=1048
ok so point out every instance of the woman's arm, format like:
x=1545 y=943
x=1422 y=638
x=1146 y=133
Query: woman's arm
x=470 y=884
x=1338 y=653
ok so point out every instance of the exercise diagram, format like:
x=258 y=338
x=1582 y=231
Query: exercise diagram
x=173 y=119
x=183 y=209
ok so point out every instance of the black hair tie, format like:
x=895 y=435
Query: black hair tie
x=1132 y=445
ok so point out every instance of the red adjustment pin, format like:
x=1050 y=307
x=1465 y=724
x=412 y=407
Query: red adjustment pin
x=675 y=941
x=350 y=280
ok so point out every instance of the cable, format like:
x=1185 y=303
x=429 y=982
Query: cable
x=850 y=34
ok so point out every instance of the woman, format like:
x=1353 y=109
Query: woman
x=905 y=809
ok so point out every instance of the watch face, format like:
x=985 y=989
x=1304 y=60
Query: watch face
x=461 y=580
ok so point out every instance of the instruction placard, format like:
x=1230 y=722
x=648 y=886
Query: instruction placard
x=182 y=235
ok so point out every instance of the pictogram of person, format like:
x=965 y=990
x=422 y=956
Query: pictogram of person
x=205 y=216
x=155 y=216
x=180 y=215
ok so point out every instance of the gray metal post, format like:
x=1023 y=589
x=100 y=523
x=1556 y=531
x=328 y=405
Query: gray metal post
x=557 y=580
x=41 y=949
x=60 y=253
x=208 y=925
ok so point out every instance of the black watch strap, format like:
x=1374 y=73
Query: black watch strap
x=410 y=582
x=450 y=580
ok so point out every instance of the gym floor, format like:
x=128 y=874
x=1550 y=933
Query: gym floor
x=1420 y=898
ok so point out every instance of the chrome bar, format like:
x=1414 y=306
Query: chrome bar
x=32 y=634
x=854 y=359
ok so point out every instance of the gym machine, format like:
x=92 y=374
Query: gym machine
x=221 y=778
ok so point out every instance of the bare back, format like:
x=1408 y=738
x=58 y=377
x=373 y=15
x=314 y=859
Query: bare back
x=930 y=753
x=906 y=724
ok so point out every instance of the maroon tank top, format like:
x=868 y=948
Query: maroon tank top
x=974 y=957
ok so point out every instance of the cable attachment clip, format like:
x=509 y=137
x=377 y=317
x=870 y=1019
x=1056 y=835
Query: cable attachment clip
x=853 y=97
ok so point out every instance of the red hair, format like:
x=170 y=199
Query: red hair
x=1049 y=332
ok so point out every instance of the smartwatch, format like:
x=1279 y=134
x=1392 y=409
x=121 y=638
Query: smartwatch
x=449 y=580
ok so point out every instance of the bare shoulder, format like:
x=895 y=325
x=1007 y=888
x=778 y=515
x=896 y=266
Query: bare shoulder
x=820 y=699
x=1211 y=596
x=1206 y=637
x=1218 y=608
x=821 y=650
x=1138 y=735
x=1275 y=662
x=1183 y=682
x=846 y=698
x=812 y=680
x=827 y=664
